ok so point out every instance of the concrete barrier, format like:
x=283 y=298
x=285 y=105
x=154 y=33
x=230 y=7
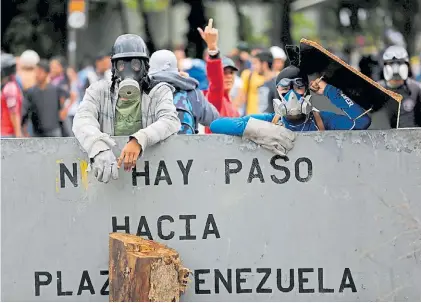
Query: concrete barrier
x=339 y=221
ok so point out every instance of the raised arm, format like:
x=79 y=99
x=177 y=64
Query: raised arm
x=355 y=116
x=214 y=67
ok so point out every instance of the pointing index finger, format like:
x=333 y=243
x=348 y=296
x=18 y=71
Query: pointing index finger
x=210 y=24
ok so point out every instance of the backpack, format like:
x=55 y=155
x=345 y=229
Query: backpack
x=185 y=113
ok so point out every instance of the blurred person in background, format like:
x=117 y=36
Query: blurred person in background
x=100 y=71
x=418 y=77
x=238 y=84
x=84 y=70
x=196 y=68
x=74 y=92
x=242 y=55
x=58 y=77
x=43 y=104
x=247 y=101
x=396 y=74
x=221 y=74
x=11 y=99
x=279 y=58
x=28 y=61
x=267 y=92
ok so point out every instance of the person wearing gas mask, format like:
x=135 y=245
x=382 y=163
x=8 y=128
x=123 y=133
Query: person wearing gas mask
x=125 y=106
x=11 y=99
x=294 y=113
x=396 y=78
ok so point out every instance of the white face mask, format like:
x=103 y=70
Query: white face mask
x=292 y=104
x=395 y=71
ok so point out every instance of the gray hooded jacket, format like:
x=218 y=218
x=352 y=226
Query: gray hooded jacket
x=94 y=120
x=204 y=112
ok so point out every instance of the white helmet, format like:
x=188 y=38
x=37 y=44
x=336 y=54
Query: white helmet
x=29 y=58
x=396 y=63
x=278 y=53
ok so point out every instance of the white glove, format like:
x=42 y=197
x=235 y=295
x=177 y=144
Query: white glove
x=275 y=138
x=105 y=166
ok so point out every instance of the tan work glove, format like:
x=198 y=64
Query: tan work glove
x=275 y=138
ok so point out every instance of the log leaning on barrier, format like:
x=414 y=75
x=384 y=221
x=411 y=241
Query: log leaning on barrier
x=144 y=271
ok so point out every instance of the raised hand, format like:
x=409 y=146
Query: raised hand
x=318 y=86
x=210 y=35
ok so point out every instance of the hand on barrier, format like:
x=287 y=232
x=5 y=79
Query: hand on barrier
x=105 y=166
x=275 y=138
x=129 y=154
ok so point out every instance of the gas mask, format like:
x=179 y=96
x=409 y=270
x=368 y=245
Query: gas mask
x=395 y=71
x=292 y=103
x=396 y=62
x=130 y=72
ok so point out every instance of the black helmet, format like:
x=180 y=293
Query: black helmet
x=129 y=46
x=8 y=65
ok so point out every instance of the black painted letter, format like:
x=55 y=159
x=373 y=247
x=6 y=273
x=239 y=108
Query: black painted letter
x=198 y=281
x=166 y=177
x=145 y=174
x=60 y=292
x=258 y=174
x=347 y=276
x=321 y=286
x=104 y=291
x=281 y=168
x=188 y=235
x=227 y=283
x=82 y=287
x=185 y=170
x=125 y=227
x=229 y=170
x=65 y=171
x=39 y=283
x=211 y=221
x=144 y=223
x=159 y=223
x=279 y=280
x=239 y=280
x=302 y=280
x=309 y=169
x=260 y=289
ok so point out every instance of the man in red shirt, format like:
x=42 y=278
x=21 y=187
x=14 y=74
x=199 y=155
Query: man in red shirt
x=11 y=99
x=221 y=75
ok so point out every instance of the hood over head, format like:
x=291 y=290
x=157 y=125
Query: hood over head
x=163 y=68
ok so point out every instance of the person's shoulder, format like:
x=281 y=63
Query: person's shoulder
x=31 y=90
x=160 y=89
x=245 y=73
x=99 y=85
x=11 y=89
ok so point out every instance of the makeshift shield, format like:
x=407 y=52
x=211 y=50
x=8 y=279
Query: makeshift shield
x=316 y=60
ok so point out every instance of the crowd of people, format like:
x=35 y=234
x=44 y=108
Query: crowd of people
x=258 y=93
